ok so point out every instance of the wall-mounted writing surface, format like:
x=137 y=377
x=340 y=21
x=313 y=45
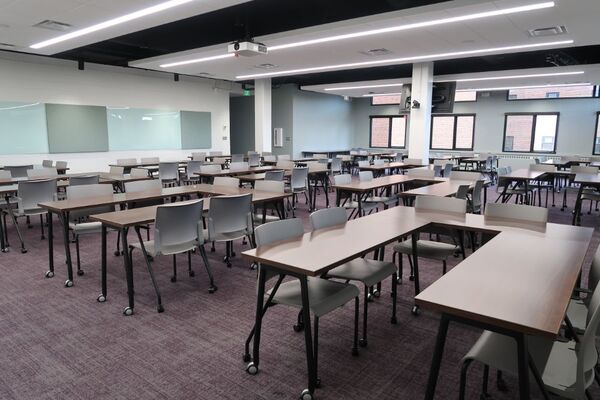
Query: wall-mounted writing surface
x=195 y=130
x=76 y=129
x=23 y=128
x=143 y=129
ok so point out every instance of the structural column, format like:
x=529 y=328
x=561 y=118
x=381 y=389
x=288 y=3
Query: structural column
x=420 y=118
x=262 y=115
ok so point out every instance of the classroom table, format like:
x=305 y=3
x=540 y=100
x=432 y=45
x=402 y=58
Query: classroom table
x=493 y=287
x=563 y=164
x=125 y=219
x=585 y=181
x=477 y=162
x=60 y=171
x=330 y=153
x=150 y=166
x=447 y=188
x=392 y=166
x=235 y=172
x=519 y=176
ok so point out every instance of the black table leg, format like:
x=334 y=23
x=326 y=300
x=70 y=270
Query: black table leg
x=128 y=272
x=49 y=219
x=414 y=239
x=326 y=189
x=65 y=221
x=310 y=359
x=260 y=296
x=434 y=371
x=523 y=366
x=102 y=297
x=3 y=248
x=577 y=208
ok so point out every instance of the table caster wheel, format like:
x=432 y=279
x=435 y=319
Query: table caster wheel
x=362 y=342
x=253 y=266
x=370 y=297
x=394 y=320
x=160 y=308
x=192 y=274
x=173 y=279
x=49 y=274
x=298 y=327
x=23 y=251
x=306 y=395
x=252 y=369
x=68 y=283
x=415 y=310
x=411 y=278
x=355 y=352
x=117 y=253
x=80 y=272
x=101 y=298
x=128 y=311
x=247 y=358
x=5 y=250
x=212 y=289
x=376 y=293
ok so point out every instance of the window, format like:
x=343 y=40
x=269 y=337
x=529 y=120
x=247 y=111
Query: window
x=452 y=132
x=465 y=95
x=554 y=92
x=530 y=133
x=388 y=131
x=596 y=149
x=381 y=100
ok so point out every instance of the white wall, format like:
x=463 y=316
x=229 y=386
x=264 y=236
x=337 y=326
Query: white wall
x=38 y=79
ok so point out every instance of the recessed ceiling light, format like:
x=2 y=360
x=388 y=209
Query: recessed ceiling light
x=398 y=28
x=404 y=59
x=197 y=60
x=494 y=78
x=111 y=22
x=381 y=94
x=524 y=87
x=363 y=87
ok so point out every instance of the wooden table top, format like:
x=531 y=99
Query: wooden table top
x=590 y=179
x=476 y=159
x=397 y=164
x=523 y=174
x=380 y=182
x=499 y=283
x=182 y=163
x=105 y=177
x=442 y=189
x=244 y=171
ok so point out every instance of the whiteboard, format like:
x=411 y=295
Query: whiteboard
x=23 y=128
x=143 y=129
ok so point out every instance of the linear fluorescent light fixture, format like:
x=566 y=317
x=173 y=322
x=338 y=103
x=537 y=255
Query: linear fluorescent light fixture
x=111 y=22
x=364 y=87
x=381 y=94
x=494 y=78
x=398 y=28
x=491 y=89
x=404 y=60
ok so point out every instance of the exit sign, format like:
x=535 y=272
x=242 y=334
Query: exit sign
x=247 y=92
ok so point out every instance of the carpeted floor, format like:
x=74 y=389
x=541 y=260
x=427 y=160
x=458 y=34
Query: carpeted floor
x=60 y=343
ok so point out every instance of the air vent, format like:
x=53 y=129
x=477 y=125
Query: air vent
x=6 y=45
x=549 y=31
x=376 y=52
x=53 y=25
x=265 y=66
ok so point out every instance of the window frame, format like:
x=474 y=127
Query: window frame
x=454 y=148
x=387 y=104
x=403 y=116
x=595 y=95
x=595 y=135
x=532 y=134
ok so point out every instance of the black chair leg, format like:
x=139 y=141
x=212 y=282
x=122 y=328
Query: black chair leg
x=394 y=320
x=316 y=349
x=79 y=270
x=444 y=265
x=363 y=341
x=190 y=270
x=412 y=269
x=174 y=277
x=212 y=288
x=355 y=343
x=484 y=387
x=463 y=378
x=160 y=307
x=42 y=225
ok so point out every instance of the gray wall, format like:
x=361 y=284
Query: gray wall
x=576 y=124
x=241 y=123
x=282 y=116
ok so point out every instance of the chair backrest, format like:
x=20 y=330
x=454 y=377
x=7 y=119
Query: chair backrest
x=193 y=167
x=220 y=160
x=336 y=164
x=299 y=178
x=517 y=211
x=126 y=161
x=210 y=168
x=274 y=175
x=270 y=186
x=237 y=165
x=399 y=157
x=587 y=354
x=30 y=193
x=138 y=173
x=285 y=157
x=47 y=163
x=150 y=160
x=421 y=173
x=465 y=176
x=328 y=217
x=215 y=153
x=365 y=176
x=285 y=164
x=441 y=204
x=140 y=186
x=278 y=230
x=117 y=170
x=18 y=171
x=226 y=181
x=594 y=273
x=42 y=173
x=237 y=158
x=61 y=165
x=476 y=199
x=319 y=156
x=462 y=191
x=85 y=180
x=413 y=161
x=437 y=170
x=199 y=156
x=379 y=161
x=254 y=159
x=584 y=169
x=230 y=214
x=168 y=171
x=448 y=169
x=342 y=179
x=4 y=174
x=542 y=167
x=178 y=224
x=363 y=163
x=89 y=190
x=270 y=158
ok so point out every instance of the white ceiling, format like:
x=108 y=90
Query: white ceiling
x=18 y=16
x=580 y=18
x=591 y=75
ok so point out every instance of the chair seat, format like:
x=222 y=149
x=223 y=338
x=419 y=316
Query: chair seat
x=577 y=313
x=366 y=271
x=166 y=249
x=226 y=236
x=427 y=249
x=323 y=296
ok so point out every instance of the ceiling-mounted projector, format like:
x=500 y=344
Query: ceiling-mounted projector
x=247 y=48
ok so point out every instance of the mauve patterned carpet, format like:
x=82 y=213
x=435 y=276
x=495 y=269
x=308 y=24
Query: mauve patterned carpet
x=59 y=343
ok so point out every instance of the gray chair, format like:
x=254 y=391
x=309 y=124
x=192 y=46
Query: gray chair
x=177 y=230
x=237 y=158
x=191 y=175
x=369 y=272
x=85 y=180
x=474 y=201
x=127 y=161
x=238 y=165
x=226 y=181
x=430 y=249
x=567 y=368
x=41 y=173
x=437 y=170
x=18 y=171
x=47 y=163
x=230 y=218
x=268 y=186
x=274 y=175
x=270 y=158
x=199 y=156
x=578 y=307
x=168 y=173
x=117 y=170
x=209 y=169
x=215 y=153
x=448 y=169
x=29 y=195
x=462 y=192
x=298 y=185
x=61 y=165
x=348 y=202
x=386 y=201
x=139 y=173
x=150 y=160
x=324 y=295
x=254 y=159
x=79 y=223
